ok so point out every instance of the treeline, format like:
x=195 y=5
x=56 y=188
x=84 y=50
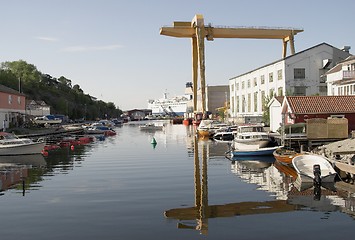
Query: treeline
x=59 y=93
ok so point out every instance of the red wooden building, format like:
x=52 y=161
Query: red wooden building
x=297 y=109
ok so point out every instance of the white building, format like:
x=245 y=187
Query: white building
x=341 y=78
x=298 y=74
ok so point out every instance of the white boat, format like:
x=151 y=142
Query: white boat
x=246 y=150
x=10 y=144
x=251 y=134
x=47 y=120
x=172 y=106
x=151 y=127
x=313 y=168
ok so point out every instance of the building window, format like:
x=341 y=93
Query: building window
x=271 y=77
x=262 y=79
x=243 y=85
x=243 y=103
x=237 y=107
x=237 y=87
x=279 y=91
x=255 y=82
x=279 y=74
x=271 y=92
x=248 y=83
x=232 y=87
x=19 y=100
x=299 y=73
x=232 y=106
x=249 y=102
x=255 y=101
x=300 y=91
x=10 y=99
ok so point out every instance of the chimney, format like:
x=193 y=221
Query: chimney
x=346 y=49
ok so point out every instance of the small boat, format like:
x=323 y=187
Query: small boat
x=10 y=144
x=207 y=128
x=253 y=151
x=225 y=133
x=314 y=168
x=47 y=120
x=284 y=155
x=151 y=127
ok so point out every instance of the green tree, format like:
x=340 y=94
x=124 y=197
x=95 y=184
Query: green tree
x=266 y=108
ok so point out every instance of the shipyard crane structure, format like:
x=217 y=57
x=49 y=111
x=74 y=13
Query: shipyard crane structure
x=198 y=31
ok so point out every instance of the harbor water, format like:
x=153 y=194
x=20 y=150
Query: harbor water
x=127 y=187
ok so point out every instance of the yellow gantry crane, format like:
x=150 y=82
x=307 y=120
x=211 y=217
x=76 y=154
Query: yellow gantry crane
x=198 y=31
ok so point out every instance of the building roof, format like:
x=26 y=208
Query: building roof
x=10 y=90
x=321 y=104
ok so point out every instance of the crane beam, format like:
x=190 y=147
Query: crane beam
x=224 y=32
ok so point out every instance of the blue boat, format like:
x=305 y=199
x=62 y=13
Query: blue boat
x=254 y=152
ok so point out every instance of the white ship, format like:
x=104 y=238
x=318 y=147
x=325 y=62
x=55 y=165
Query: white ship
x=175 y=106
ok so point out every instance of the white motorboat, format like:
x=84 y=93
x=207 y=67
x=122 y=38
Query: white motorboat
x=10 y=144
x=151 y=127
x=314 y=168
x=251 y=134
x=47 y=120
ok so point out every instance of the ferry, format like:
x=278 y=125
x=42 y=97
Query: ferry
x=175 y=106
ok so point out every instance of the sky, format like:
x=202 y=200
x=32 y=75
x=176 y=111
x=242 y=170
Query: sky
x=114 y=51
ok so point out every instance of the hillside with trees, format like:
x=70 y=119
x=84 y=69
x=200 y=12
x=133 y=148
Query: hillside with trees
x=59 y=93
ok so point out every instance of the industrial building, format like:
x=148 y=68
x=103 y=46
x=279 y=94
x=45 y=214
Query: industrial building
x=300 y=74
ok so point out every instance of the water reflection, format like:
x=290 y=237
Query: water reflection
x=25 y=172
x=17 y=171
x=283 y=183
x=202 y=211
x=270 y=176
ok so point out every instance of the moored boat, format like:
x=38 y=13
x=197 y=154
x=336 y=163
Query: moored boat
x=314 y=168
x=253 y=150
x=207 y=128
x=251 y=134
x=47 y=120
x=151 y=127
x=10 y=144
x=284 y=155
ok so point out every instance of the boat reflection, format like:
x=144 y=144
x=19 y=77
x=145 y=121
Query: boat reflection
x=282 y=182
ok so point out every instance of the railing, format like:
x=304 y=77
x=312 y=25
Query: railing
x=348 y=74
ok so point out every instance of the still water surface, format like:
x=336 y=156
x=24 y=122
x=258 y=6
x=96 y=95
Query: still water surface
x=125 y=188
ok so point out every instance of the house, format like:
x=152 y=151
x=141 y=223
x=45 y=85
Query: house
x=275 y=113
x=12 y=107
x=37 y=108
x=298 y=109
x=137 y=114
x=301 y=74
x=341 y=78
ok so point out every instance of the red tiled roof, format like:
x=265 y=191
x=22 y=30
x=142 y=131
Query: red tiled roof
x=321 y=104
